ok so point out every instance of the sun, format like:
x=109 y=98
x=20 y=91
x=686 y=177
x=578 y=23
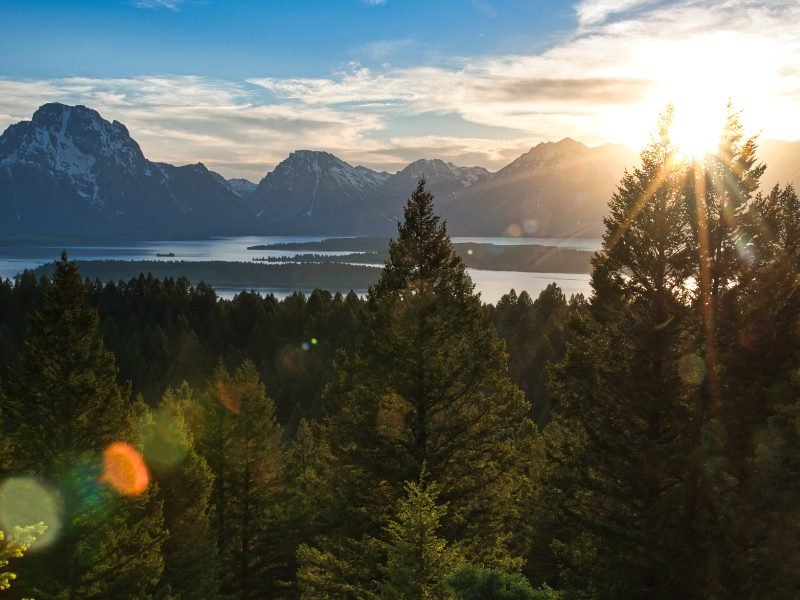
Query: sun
x=696 y=128
x=699 y=76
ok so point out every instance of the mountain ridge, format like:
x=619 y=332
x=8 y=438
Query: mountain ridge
x=69 y=171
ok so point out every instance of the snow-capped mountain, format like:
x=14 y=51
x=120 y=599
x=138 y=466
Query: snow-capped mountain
x=316 y=192
x=443 y=179
x=68 y=170
x=438 y=172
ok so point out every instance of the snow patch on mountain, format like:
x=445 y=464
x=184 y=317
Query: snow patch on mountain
x=436 y=170
x=241 y=187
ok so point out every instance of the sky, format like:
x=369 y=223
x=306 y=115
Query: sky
x=239 y=84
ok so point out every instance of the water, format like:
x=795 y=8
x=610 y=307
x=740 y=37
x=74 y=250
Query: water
x=567 y=243
x=491 y=284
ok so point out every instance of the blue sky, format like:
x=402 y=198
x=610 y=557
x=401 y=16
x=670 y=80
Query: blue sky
x=238 y=84
x=246 y=38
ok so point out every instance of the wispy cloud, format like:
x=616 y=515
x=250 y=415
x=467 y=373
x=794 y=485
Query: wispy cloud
x=168 y=4
x=605 y=83
x=188 y=119
x=374 y=2
x=593 y=12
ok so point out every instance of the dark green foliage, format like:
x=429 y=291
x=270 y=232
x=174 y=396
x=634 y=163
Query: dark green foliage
x=61 y=409
x=668 y=455
x=64 y=396
x=239 y=437
x=535 y=333
x=470 y=583
x=618 y=448
x=770 y=521
x=428 y=386
x=191 y=566
x=666 y=466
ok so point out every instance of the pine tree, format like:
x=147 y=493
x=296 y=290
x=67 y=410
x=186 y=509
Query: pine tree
x=761 y=384
x=612 y=493
x=470 y=583
x=63 y=407
x=185 y=481
x=428 y=385
x=720 y=191
x=418 y=561
x=240 y=438
x=64 y=396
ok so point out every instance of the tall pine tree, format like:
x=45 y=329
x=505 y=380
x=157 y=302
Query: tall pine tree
x=428 y=385
x=617 y=450
x=240 y=438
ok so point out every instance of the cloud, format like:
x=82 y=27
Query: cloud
x=374 y=2
x=184 y=120
x=604 y=83
x=607 y=84
x=593 y=12
x=168 y=4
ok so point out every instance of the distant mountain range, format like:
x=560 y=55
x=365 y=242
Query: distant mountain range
x=68 y=171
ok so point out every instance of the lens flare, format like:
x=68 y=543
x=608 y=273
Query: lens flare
x=746 y=251
x=691 y=369
x=163 y=439
x=229 y=396
x=530 y=226
x=314 y=341
x=24 y=501
x=124 y=469
x=305 y=346
x=513 y=230
x=290 y=360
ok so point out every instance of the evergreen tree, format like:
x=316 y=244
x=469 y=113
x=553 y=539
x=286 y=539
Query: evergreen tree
x=185 y=481
x=428 y=385
x=470 y=583
x=617 y=450
x=720 y=193
x=761 y=384
x=65 y=396
x=240 y=439
x=63 y=407
x=418 y=561
x=535 y=333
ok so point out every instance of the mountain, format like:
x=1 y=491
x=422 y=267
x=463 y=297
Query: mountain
x=783 y=163
x=317 y=193
x=69 y=171
x=444 y=180
x=557 y=189
x=241 y=187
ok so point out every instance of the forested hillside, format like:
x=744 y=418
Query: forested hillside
x=163 y=443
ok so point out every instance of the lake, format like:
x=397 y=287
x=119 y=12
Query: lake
x=491 y=284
